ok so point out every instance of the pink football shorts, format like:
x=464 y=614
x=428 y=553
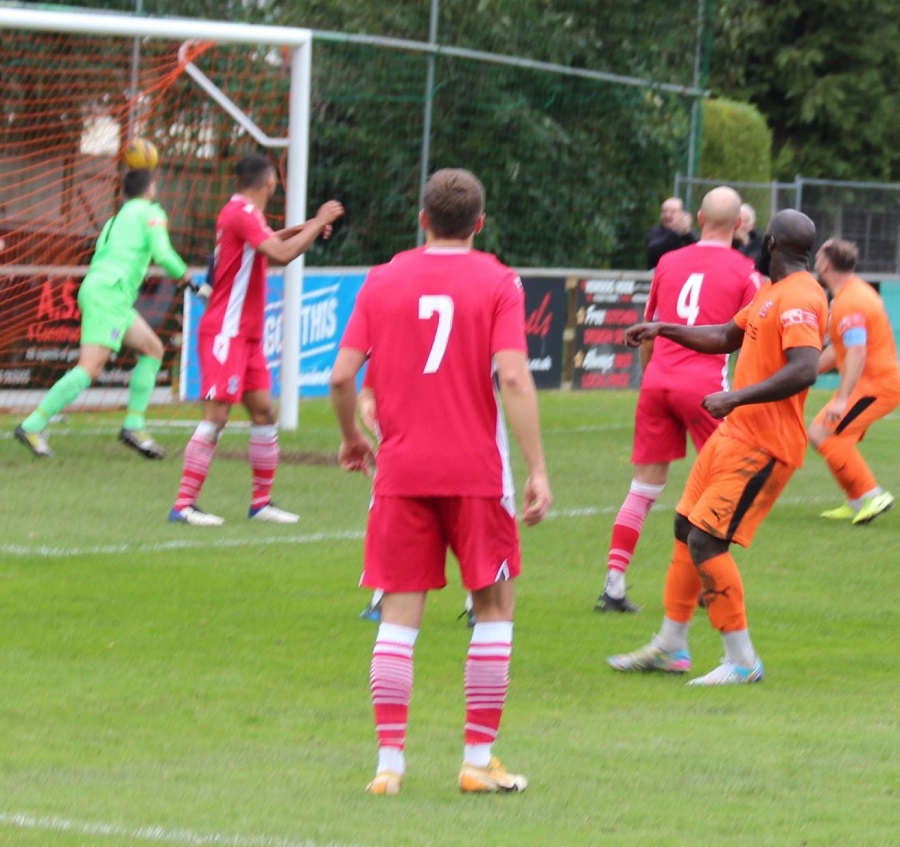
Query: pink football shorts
x=662 y=421
x=231 y=367
x=407 y=539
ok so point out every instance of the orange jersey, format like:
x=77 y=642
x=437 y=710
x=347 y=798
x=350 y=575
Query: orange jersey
x=858 y=313
x=792 y=312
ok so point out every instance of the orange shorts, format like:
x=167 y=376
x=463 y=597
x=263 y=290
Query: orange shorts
x=863 y=409
x=407 y=540
x=731 y=488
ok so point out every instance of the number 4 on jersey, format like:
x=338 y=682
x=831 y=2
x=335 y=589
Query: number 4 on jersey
x=443 y=305
x=688 y=305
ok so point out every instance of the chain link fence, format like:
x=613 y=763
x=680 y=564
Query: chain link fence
x=867 y=213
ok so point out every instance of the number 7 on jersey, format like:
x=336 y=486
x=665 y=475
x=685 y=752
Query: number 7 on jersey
x=443 y=305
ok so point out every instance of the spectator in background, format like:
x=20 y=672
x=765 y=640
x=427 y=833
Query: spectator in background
x=747 y=238
x=863 y=351
x=672 y=231
x=705 y=283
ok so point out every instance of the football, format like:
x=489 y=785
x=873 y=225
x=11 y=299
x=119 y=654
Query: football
x=141 y=153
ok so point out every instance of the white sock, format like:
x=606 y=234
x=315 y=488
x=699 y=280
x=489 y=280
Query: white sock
x=477 y=754
x=615 y=583
x=672 y=636
x=391 y=759
x=739 y=648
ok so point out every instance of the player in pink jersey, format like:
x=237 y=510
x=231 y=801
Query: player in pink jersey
x=365 y=407
x=439 y=322
x=704 y=283
x=232 y=363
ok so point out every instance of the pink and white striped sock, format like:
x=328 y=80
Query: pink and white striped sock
x=197 y=458
x=391 y=680
x=629 y=522
x=486 y=684
x=263 y=454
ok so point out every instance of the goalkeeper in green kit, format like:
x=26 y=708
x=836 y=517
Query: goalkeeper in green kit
x=133 y=237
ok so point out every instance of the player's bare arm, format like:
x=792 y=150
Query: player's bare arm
x=851 y=371
x=519 y=397
x=798 y=373
x=355 y=452
x=827 y=360
x=283 y=250
x=716 y=338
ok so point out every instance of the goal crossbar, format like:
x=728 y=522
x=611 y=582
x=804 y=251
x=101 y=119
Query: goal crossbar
x=92 y=23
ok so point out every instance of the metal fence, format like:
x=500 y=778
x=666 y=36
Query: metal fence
x=867 y=213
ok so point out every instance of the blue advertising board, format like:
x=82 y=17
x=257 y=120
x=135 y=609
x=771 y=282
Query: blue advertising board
x=326 y=305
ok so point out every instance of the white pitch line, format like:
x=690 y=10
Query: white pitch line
x=179 y=544
x=203 y=542
x=153 y=834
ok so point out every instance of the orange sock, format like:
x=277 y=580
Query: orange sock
x=723 y=593
x=682 y=585
x=848 y=466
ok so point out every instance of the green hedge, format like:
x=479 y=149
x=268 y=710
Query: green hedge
x=736 y=144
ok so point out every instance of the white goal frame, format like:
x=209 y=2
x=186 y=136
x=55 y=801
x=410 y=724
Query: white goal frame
x=299 y=41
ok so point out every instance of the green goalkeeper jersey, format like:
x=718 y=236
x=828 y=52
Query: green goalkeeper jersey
x=136 y=235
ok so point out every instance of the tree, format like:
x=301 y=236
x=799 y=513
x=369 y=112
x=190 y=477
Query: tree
x=824 y=73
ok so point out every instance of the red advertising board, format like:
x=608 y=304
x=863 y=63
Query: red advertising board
x=40 y=330
x=604 y=308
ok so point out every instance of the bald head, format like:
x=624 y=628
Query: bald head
x=719 y=214
x=795 y=231
x=789 y=239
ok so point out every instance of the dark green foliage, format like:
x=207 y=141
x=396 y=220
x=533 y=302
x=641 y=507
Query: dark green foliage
x=824 y=73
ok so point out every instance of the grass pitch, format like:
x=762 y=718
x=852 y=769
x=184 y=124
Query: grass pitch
x=165 y=684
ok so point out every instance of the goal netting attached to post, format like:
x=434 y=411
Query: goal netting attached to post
x=73 y=88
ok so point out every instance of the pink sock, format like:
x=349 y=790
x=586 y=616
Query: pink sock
x=391 y=679
x=629 y=522
x=487 y=680
x=263 y=454
x=197 y=458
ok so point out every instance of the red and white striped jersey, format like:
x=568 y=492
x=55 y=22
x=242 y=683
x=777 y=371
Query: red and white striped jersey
x=237 y=303
x=432 y=320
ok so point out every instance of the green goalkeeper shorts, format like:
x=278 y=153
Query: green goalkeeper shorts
x=106 y=313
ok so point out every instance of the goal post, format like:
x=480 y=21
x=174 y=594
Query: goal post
x=56 y=190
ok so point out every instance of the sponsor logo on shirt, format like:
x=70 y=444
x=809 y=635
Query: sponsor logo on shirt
x=765 y=308
x=799 y=317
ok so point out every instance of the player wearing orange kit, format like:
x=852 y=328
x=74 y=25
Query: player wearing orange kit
x=863 y=351
x=703 y=283
x=748 y=460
